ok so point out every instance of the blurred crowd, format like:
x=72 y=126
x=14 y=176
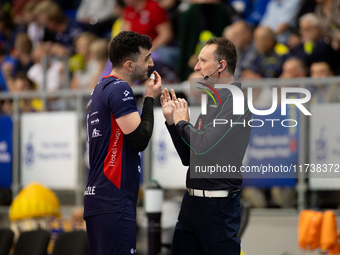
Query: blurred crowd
x=58 y=44
x=42 y=42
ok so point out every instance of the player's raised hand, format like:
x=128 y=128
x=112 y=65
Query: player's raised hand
x=154 y=85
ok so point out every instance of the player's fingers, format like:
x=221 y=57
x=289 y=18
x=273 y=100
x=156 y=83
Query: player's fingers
x=158 y=78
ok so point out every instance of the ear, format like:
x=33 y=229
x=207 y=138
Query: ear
x=128 y=65
x=223 y=65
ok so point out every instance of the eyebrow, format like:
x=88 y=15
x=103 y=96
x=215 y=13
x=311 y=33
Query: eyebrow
x=148 y=56
x=201 y=58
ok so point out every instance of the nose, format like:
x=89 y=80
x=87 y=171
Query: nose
x=197 y=67
x=151 y=62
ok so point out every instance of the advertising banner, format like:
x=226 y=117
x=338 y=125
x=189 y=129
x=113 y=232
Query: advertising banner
x=324 y=154
x=5 y=152
x=272 y=153
x=49 y=152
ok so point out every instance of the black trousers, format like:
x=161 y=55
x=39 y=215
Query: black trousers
x=207 y=226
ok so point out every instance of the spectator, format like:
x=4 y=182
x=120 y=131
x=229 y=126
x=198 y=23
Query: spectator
x=204 y=36
x=328 y=92
x=22 y=83
x=328 y=12
x=257 y=11
x=312 y=47
x=242 y=7
x=97 y=15
x=54 y=69
x=95 y=63
x=267 y=63
x=281 y=17
x=293 y=68
x=99 y=52
x=23 y=53
x=34 y=31
x=118 y=12
x=147 y=17
x=7 y=31
x=241 y=34
x=65 y=30
x=82 y=51
x=19 y=9
x=93 y=12
x=22 y=61
x=209 y=15
x=37 y=30
x=6 y=68
x=321 y=70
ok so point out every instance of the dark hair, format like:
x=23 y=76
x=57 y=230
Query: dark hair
x=126 y=46
x=225 y=51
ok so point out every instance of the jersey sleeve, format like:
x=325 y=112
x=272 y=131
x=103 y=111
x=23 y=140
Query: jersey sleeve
x=120 y=98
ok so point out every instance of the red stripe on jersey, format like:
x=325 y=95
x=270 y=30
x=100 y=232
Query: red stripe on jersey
x=113 y=159
x=107 y=76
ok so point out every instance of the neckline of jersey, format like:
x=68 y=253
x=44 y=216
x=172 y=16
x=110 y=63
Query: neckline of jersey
x=107 y=76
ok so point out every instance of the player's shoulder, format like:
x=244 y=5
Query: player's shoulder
x=114 y=87
x=112 y=83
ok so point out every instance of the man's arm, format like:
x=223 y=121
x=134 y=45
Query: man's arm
x=138 y=129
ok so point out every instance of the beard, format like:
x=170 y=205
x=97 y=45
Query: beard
x=139 y=74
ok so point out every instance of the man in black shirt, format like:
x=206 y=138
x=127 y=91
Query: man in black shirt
x=214 y=148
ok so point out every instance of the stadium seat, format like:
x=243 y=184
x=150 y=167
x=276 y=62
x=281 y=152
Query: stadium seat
x=33 y=242
x=6 y=240
x=71 y=243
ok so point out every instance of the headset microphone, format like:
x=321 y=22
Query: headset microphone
x=208 y=76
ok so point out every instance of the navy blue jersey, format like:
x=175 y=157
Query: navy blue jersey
x=113 y=180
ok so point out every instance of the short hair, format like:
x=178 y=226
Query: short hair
x=55 y=14
x=126 y=46
x=311 y=17
x=300 y=62
x=225 y=51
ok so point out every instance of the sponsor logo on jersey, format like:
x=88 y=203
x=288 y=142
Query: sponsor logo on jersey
x=95 y=122
x=126 y=93
x=96 y=133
